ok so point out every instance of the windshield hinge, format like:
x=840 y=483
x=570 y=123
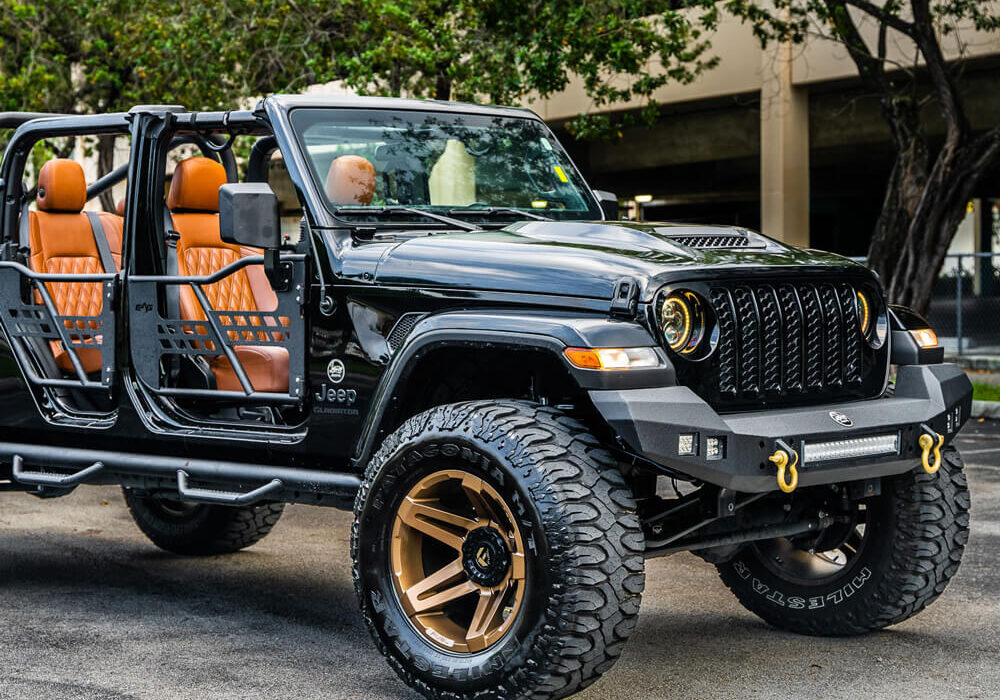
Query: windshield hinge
x=625 y=298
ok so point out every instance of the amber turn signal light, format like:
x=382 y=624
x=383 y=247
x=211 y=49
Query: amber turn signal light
x=925 y=337
x=612 y=358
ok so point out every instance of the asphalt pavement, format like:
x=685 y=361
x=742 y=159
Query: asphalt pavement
x=90 y=610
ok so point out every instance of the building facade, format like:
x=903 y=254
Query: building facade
x=782 y=140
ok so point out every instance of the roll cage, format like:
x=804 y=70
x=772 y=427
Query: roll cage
x=31 y=319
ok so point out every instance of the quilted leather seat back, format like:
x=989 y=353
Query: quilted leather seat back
x=194 y=204
x=62 y=242
x=200 y=251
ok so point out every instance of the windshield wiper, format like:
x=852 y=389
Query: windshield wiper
x=490 y=211
x=399 y=209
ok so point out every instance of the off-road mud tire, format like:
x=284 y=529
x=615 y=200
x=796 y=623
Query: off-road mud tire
x=201 y=529
x=919 y=534
x=585 y=562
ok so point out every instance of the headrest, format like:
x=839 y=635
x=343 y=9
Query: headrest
x=351 y=180
x=195 y=185
x=61 y=186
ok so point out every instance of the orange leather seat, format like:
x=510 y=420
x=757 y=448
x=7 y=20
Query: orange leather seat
x=350 y=180
x=62 y=242
x=194 y=204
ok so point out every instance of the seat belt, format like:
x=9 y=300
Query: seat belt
x=173 y=290
x=175 y=368
x=103 y=249
x=24 y=230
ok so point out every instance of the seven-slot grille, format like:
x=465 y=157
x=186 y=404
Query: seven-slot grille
x=787 y=338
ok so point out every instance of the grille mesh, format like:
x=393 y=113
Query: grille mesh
x=723 y=241
x=404 y=324
x=787 y=338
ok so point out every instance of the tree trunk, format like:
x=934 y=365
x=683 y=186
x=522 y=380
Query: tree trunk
x=105 y=164
x=442 y=85
x=945 y=196
x=905 y=189
x=67 y=148
x=395 y=81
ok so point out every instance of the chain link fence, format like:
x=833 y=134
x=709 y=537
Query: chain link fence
x=965 y=307
x=965 y=304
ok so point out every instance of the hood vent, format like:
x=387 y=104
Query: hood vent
x=704 y=241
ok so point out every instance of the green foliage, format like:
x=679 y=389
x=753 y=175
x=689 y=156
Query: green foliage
x=981 y=391
x=104 y=55
x=501 y=52
x=795 y=20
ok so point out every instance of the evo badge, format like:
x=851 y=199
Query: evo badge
x=841 y=418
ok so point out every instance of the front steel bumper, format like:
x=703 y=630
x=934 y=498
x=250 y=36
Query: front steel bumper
x=649 y=422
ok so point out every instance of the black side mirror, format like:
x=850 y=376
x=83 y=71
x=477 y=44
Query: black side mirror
x=608 y=202
x=248 y=215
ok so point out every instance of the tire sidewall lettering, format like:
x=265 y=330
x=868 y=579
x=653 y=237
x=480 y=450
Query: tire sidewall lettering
x=776 y=596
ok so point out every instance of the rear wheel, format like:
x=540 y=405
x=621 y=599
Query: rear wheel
x=498 y=553
x=199 y=529
x=894 y=557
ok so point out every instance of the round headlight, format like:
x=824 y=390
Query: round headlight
x=675 y=322
x=864 y=312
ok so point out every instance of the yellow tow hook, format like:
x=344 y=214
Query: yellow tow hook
x=926 y=442
x=781 y=458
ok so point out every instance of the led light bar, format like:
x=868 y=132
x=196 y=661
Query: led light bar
x=850 y=449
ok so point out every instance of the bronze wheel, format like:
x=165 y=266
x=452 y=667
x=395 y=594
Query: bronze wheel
x=497 y=552
x=457 y=558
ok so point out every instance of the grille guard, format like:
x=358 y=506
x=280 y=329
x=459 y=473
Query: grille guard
x=649 y=422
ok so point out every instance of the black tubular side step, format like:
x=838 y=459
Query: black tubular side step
x=225 y=497
x=276 y=479
x=43 y=479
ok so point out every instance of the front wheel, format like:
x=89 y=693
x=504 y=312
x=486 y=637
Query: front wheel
x=896 y=557
x=497 y=553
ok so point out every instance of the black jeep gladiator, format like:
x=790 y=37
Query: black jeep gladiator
x=522 y=397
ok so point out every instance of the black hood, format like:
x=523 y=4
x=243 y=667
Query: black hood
x=582 y=259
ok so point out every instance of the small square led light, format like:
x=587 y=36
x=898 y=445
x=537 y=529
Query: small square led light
x=715 y=448
x=686 y=444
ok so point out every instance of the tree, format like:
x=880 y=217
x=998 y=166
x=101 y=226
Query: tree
x=896 y=47
x=91 y=56
x=503 y=52
x=100 y=55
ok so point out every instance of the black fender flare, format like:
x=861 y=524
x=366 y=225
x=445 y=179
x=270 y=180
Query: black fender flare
x=549 y=332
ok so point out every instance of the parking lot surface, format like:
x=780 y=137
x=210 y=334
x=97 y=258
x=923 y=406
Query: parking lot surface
x=89 y=609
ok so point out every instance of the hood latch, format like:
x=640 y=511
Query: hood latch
x=625 y=298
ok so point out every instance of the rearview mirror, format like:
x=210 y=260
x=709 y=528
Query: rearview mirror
x=609 y=204
x=248 y=215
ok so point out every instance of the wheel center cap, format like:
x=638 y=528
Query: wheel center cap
x=485 y=556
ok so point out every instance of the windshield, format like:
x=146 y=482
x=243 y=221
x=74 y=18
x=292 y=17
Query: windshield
x=473 y=167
